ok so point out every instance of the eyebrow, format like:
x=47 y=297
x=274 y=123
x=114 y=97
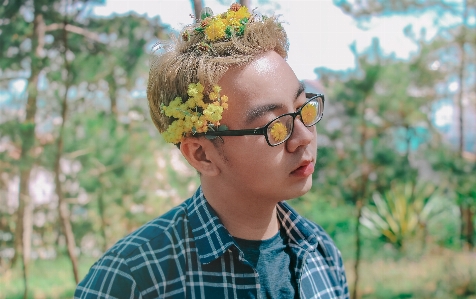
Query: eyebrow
x=301 y=89
x=257 y=112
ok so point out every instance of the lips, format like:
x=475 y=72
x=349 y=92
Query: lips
x=304 y=170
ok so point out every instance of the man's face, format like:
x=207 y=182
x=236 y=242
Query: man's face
x=259 y=92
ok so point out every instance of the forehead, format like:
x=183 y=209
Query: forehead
x=267 y=80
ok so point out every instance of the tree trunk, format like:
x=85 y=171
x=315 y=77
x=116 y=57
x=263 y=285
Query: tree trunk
x=470 y=227
x=245 y=3
x=361 y=197
x=467 y=226
x=461 y=44
x=112 y=92
x=197 y=6
x=63 y=209
x=467 y=231
x=103 y=220
x=25 y=217
x=358 y=249
x=24 y=226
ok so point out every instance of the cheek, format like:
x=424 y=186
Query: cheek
x=253 y=155
x=244 y=149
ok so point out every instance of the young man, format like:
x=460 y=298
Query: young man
x=226 y=96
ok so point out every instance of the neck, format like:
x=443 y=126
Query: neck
x=244 y=217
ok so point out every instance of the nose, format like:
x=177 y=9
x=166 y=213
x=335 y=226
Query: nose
x=301 y=136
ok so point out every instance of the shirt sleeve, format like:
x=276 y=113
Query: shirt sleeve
x=343 y=278
x=109 y=277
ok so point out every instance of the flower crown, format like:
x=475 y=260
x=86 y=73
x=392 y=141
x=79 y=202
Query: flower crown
x=194 y=115
x=223 y=26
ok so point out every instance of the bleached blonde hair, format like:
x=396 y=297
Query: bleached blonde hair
x=187 y=59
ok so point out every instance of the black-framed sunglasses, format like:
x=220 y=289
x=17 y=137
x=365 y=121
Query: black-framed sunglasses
x=280 y=129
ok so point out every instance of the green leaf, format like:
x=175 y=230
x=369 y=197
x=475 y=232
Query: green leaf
x=241 y=30
x=206 y=12
x=229 y=31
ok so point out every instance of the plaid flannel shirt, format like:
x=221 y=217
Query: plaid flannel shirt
x=188 y=253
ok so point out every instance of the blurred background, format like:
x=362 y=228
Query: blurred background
x=81 y=164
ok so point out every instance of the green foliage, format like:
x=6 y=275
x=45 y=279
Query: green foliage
x=403 y=212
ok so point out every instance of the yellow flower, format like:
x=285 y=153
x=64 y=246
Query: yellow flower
x=191 y=103
x=308 y=114
x=224 y=101
x=233 y=18
x=215 y=30
x=213 y=113
x=213 y=96
x=201 y=103
x=174 y=133
x=243 y=13
x=200 y=87
x=279 y=132
x=194 y=89
x=193 y=116
x=216 y=88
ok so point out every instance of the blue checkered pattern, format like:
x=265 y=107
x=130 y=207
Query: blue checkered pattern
x=188 y=253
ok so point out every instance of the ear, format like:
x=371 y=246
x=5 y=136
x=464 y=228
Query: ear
x=200 y=153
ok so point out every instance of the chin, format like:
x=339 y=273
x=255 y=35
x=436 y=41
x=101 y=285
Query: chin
x=299 y=189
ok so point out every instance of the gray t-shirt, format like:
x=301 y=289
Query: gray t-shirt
x=271 y=259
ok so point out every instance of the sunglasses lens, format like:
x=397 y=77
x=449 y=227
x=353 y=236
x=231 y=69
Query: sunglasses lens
x=311 y=112
x=280 y=129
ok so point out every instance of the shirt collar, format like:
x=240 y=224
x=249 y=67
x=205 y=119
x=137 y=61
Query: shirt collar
x=297 y=229
x=212 y=239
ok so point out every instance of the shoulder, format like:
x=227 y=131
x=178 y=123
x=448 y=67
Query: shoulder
x=116 y=273
x=320 y=233
x=172 y=222
x=331 y=254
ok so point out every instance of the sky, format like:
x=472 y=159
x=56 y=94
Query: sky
x=320 y=34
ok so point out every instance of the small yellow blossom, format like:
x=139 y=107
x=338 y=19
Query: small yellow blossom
x=233 y=18
x=308 y=113
x=279 y=132
x=213 y=96
x=215 y=30
x=194 y=89
x=216 y=88
x=213 y=113
x=243 y=13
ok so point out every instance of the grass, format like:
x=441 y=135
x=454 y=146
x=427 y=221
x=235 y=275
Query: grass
x=442 y=274
x=48 y=279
